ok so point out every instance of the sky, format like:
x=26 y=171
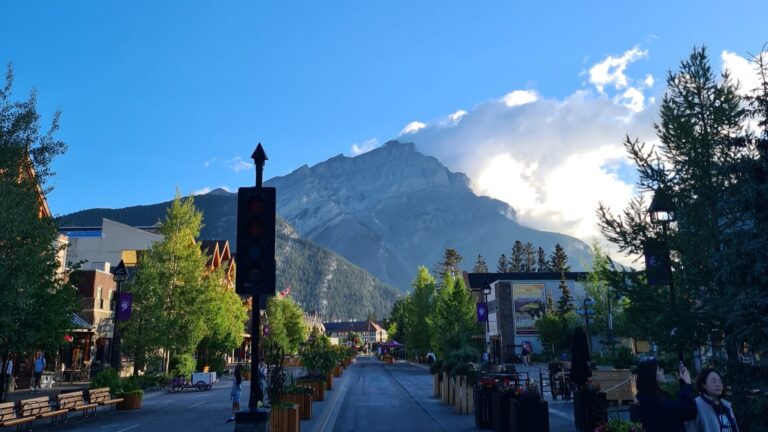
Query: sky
x=531 y=100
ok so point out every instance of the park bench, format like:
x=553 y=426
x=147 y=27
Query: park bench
x=75 y=402
x=618 y=385
x=8 y=416
x=102 y=397
x=40 y=408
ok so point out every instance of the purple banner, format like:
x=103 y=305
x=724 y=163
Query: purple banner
x=482 y=312
x=124 y=306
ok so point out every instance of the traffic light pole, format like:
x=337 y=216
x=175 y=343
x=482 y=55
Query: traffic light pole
x=257 y=394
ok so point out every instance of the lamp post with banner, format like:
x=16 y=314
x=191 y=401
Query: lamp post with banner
x=119 y=275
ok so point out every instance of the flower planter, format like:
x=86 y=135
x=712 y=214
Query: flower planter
x=303 y=401
x=131 y=400
x=284 y=419
x=329 y=382
x=318 y=388
x=528 y=415
x=337 y=371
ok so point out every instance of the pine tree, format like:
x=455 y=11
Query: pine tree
x=542 y=266
x=565 y=302
x=550 y=303
x=529 y=258
x=449 y=264
x=518 y=258
x=480 y=265
x=503 y=265
x=421 y=308
x=558 y=261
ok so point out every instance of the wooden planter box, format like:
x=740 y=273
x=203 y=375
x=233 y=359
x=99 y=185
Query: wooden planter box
x=284 y=419
x=303 y=401
x=318 y=389
x=131 y=401
x=337 y=371
x=329 y=382
x=436 y=390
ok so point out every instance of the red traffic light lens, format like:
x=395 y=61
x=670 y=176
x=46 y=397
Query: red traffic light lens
x=255 y=228
x=255 y=205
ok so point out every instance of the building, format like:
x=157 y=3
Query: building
x=109 y=243
x=369 y=331
x=515 y=302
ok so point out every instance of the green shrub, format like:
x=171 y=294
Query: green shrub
x=182 y=364
x=436 y=367
x=131 y=383
x=107 y=378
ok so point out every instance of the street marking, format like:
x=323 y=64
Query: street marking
x=197 y=404
x=129 y=428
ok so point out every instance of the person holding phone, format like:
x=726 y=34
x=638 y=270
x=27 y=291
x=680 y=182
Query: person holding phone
x=658 y=411
x=715 y=414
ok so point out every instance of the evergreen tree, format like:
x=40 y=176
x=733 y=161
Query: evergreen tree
x=399 y=318
x=542 y=265
x=701 y=122
x=35 y=298
x=418 y=335
x=550 y=303
x=449 y=264
x=558 y=261
x=480 y=265
x=169 y=289
x=503 y=265
x=565 y=302
x=453 y=321
x=529 y=258
x=517 y=261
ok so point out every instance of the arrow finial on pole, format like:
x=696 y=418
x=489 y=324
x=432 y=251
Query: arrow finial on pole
x=259 y=156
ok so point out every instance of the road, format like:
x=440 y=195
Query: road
x=370 y=396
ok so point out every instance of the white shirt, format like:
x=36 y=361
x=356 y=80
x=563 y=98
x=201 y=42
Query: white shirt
x=9 y=369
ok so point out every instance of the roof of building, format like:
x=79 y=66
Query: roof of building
x=476 y=280
x=79 y=323
x=349 y=326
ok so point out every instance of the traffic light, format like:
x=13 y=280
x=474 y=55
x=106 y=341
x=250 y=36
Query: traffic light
x=256 y=241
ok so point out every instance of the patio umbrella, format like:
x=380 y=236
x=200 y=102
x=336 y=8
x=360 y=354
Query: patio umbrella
x=580 y=355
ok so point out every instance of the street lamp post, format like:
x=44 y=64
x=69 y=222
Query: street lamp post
x=486 y=291
x=662 y=213
x=587 y=303
x=120 y=275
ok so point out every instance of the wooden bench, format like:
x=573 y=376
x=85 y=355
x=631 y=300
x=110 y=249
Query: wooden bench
x=75 y=402
x=618 y=385
x=101 y=396
x=8 y=416
x=40 y=408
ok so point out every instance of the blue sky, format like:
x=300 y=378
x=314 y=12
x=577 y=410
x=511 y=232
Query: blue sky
x=159 y=95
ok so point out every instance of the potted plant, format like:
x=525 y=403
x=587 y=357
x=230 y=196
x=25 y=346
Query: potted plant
x=318 y=357
x=284 y=416
x=302 y=396
x=616 y=425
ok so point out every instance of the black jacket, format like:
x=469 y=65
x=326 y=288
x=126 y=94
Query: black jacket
x=667 y=415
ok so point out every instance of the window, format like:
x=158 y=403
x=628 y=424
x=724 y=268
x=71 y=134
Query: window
x=100 y=298
x=112 y=300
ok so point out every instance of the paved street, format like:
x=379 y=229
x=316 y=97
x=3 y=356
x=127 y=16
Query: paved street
x=370 y=396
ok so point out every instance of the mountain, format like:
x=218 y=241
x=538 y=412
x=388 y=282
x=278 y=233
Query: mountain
x=392 y=209
x=388 y=211
x=320 y=280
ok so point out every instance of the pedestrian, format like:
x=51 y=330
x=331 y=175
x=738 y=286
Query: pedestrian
x=526 y=355
x=9 y=374
x=485 y=356
x=715 y=414
x=263 y=380
x=39 y=367
x=234 y=395
x=657 y=411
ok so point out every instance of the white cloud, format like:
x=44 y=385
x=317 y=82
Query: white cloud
x=519 y=97
x=366 y=146
x=610 y=72
x=456 y=117
x=208 y=163
x=238 y=164
x=552 y=160
x=648 y=81
x=742 y=71
x=412 y=127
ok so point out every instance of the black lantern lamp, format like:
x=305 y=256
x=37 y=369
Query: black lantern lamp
x=662 y=209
